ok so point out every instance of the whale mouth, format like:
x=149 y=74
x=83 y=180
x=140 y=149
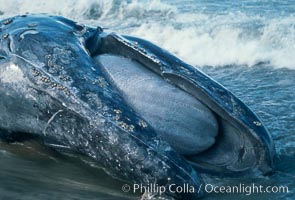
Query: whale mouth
x=208 y=142
x=185 y=123
x=233 y=138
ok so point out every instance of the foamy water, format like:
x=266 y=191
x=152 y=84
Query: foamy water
x=202 y=33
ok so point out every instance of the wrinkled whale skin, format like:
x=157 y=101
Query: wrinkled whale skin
x=50 y=86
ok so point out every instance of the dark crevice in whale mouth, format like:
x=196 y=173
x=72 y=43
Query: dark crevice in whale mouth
x=9 y=45
x=93 y=41
x=10 y=137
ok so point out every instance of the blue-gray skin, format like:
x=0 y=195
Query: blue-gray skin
x=54 y=83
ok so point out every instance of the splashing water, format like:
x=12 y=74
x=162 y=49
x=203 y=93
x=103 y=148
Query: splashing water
x=202 y=33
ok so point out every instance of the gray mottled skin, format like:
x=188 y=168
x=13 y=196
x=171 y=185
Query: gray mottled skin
x=54 y=84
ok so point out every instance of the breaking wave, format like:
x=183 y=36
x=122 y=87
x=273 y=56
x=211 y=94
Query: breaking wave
x=199 y=36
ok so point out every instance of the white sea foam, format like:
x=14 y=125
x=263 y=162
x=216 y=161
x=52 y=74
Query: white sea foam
x=227 y=45
x=200 y=38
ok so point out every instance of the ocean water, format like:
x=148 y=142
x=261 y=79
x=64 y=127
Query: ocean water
x=248 y=46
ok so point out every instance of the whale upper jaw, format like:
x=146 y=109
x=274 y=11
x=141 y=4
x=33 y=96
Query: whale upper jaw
x=75 y=105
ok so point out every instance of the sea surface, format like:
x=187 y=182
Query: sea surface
x=248 y=46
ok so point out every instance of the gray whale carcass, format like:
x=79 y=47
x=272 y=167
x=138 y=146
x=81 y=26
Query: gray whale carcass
x=139 y=111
